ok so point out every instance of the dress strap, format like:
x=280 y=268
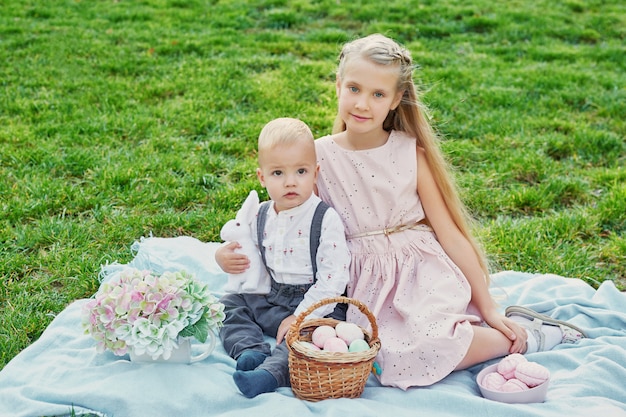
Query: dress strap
x=419 y=225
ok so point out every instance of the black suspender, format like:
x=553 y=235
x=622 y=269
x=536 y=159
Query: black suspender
x=260 y=228
x=316 y=231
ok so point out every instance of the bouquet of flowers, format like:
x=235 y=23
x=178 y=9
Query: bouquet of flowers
x=145 y=312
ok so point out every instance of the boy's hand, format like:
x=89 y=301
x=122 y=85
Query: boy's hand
x=230 y=261
x=284 y=328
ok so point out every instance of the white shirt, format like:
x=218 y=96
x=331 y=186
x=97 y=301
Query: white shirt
x=288 y=256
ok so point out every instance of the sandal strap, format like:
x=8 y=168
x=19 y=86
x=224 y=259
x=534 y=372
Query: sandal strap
x=547 y=320
x=534 y=327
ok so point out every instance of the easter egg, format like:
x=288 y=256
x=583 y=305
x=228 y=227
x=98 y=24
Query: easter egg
x=335 y=344
x=321 y=334
x=358 y=345
x=349 y=332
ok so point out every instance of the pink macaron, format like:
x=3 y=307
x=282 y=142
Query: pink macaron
x=493 y=381
x=514 y=385
x=506 y=367
x=532 y=373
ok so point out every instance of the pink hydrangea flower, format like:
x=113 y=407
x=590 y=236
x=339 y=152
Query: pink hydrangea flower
x=146 y=312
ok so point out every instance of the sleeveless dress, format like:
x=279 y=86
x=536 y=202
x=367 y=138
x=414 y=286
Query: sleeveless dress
x=419 y=297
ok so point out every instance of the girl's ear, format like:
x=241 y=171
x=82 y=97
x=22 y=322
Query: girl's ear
x=397 y=99
x=338 y=86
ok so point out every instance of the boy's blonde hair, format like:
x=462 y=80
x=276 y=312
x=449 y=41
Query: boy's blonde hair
x=285 y=131
x=411 y=117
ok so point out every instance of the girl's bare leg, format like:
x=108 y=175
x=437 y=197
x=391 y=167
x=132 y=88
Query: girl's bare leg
x=487 y=344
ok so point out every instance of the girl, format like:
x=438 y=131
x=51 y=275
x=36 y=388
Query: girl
x=414 y=261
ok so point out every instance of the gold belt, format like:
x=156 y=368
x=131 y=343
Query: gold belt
x=420 y=225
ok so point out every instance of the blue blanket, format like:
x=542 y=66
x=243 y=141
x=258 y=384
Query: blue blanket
x=61 y=373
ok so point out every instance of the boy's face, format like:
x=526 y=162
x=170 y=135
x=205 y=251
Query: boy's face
x=288 y=173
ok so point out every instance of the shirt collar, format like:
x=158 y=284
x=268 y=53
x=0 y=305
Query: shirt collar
x=298 y=210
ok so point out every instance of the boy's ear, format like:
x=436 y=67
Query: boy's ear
x=317 y=171
x=259 y=175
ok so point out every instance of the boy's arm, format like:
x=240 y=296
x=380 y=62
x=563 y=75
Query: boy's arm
x=233 y=262
x=230 y=261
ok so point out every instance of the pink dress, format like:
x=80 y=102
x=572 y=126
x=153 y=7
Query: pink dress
x=419 y=297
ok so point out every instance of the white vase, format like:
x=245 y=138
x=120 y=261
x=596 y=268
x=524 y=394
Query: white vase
x=185 y=353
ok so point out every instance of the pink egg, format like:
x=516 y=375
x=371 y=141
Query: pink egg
x=506 y=367
x=321 y=333
x=532 y=373
x=349 y=332
x=514 y=385
x=335 y=344
x=493 y=381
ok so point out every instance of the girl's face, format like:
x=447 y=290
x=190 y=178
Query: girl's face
x=367 y=92
x=288 y=173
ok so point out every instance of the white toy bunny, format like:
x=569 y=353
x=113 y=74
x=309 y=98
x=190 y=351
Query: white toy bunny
x=256 y=279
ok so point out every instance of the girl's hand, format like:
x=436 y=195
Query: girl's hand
x=230 y=261
x=513 y=331
x=284 y=328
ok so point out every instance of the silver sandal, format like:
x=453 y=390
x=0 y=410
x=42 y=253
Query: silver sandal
x=571 y=333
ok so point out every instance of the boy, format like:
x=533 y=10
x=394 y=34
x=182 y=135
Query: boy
x=302 y=272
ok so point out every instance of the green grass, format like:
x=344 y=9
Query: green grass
x=123 y=118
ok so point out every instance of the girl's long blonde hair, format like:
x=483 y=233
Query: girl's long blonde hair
x=411 y=117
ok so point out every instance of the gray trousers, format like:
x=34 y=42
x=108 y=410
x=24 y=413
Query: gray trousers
x=251 y=317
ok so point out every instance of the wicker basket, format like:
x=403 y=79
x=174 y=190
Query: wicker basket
x=319 y=375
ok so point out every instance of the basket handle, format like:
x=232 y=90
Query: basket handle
x=295 y=326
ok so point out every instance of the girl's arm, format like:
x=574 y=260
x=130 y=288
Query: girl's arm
x=462 y=253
